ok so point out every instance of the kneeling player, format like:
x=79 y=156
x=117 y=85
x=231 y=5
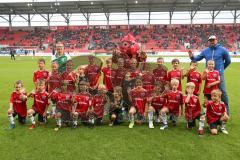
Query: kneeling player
x=193 y=108
x=82 y=103
x=63 y=106
x=158 y=100
x=98 y=104
x=138 y=97
x=18 y=105
x=116 y=106
x=216 y=113
x=173 y=104
x=40 y=104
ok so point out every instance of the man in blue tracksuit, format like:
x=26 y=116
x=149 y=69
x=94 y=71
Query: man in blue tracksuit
x=222 y=60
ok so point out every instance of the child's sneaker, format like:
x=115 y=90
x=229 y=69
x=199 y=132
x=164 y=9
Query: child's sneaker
x=151 y=125
x=223 y=130
x=131 y=125
x=110 y=124
x=163 y=127
x=12 y=126
x=74 y=126
x=32 y=126
x=57 y=128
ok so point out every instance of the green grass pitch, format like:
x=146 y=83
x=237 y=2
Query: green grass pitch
x=117 y=142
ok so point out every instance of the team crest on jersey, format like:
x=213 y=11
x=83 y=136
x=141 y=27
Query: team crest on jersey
x=67 y=97
x=44 y=97
x=195 y=100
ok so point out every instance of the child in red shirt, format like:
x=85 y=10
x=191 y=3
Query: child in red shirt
x=40 y=104
x=17 y=104
x=41 y=73
x=176 y=73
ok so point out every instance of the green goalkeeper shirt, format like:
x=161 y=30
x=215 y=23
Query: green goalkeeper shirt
x=62 y=60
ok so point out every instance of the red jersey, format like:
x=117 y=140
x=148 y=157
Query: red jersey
x=139 y=99
x=64 y=101
x=214 y=111
x=108 y=76
x=92 y=72
x=83 y=101
x=211 y=77
x=177 y=74
x=119 y=76
x=157 y=102
x=192 y=108
x=40 y=102
x=98 y=103
x=40 y=74
x=173 y=101
x=196 y=78
x=70 y=77
x=54 y=81
x=134 y=73
x=148 y=82
x=160 y=74
x=19 y=106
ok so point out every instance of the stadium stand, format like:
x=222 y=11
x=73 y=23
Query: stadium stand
x=103 y=39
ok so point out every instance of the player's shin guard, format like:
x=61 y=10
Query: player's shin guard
x=31 y=119
x=164 y=118
x=11 y=119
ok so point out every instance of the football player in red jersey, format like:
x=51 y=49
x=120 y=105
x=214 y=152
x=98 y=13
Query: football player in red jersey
x=98 y=103
x=216 y=113
x=134 y=70
x=138 y=98
x=212 y=80
x=41 y=73
x=119 y=73
x=176 y=73
x=82 y=104
x=158 y=100
x=93 y=73
x=160 y=73
x=69 y=77
x=54 y=83
x=173 y=104
x=17 y=104
x=193 y=108
x=108 y=75
x=40 y=104
x=194 y=76
x=64 y=102
x=148 y=79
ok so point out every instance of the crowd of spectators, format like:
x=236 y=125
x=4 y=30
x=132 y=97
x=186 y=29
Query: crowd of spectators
x=154 y=37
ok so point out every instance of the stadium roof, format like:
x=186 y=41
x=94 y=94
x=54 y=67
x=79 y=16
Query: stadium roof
x=109 y=6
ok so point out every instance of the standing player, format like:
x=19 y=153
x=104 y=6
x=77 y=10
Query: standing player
x=138 y=97
x=82 y=104
x=216 y=113
x=212 y=80
x=193 y=108
x=69 y=77
x=93 y=73
x=119 y=73
x=40 y=104
x=108 y=75
x=134 y=71
x=54 y=83
x=17 y=105
x=173 y=104
x=60 y=57
x=148 y=79
x=194 y=76
x=160 y=73
x=176 y=73
x=40 y=74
